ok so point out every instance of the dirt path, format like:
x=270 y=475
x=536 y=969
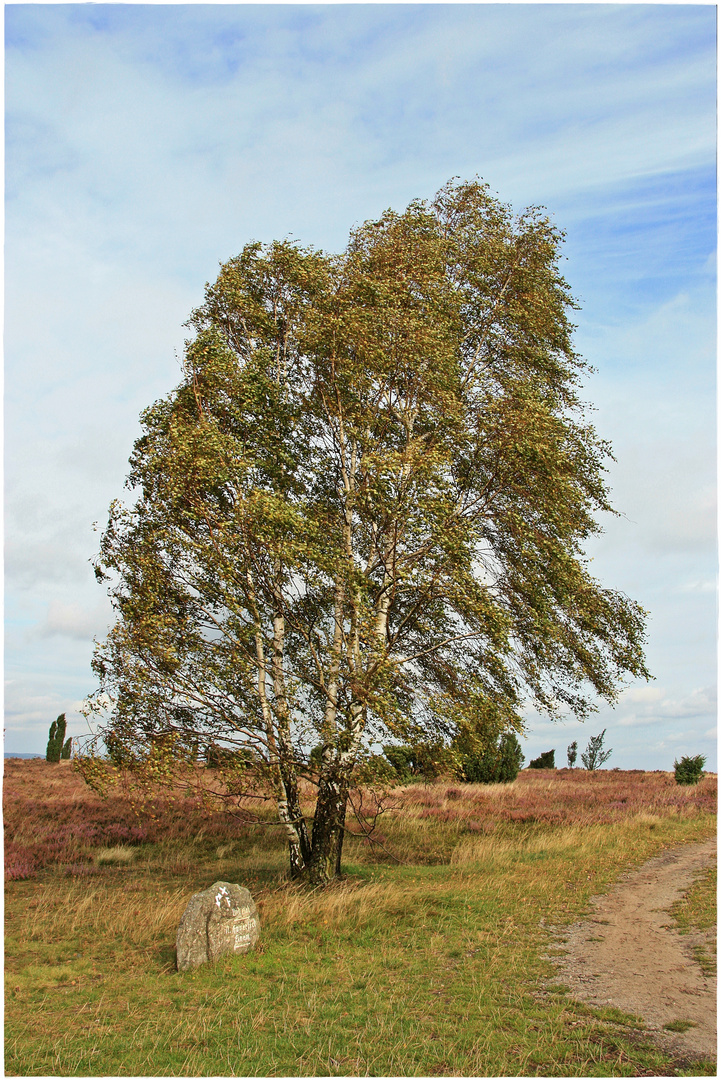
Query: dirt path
x=627 y=955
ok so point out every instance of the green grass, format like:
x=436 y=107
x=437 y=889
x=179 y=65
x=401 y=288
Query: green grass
x=417 y=969
x=696 y=914
x=697 y=910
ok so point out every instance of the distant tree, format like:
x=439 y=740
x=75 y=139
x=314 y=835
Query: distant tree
x=544 y=761
x=56 y=747
x=362 y=514
x=689 y=770
x=572 y=754
x=594 y=755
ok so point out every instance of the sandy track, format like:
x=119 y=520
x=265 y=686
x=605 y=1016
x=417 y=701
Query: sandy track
x=627 y=955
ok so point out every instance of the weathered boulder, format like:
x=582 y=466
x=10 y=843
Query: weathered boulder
x=219 y=920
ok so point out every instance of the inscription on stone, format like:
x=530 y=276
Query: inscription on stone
x=219 y=920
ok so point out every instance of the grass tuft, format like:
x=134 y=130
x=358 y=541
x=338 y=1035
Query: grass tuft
x=679 y=1025
x=118 y=855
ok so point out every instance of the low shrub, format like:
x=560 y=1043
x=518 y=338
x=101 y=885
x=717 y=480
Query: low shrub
x=18 y=865
x=689 y=770
x=544 y=761
x=51 y=818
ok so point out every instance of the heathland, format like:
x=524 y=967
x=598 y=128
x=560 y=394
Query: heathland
x=432 y=955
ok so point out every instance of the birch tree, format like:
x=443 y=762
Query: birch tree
x=362 y=513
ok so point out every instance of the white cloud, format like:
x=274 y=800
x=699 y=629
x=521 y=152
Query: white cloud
x=643 y=694
x=76 y=621
x=637 y=707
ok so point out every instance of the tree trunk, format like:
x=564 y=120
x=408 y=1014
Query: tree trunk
x=341 y=837
x=297 y=866
x=328 y=824
x=299 y=844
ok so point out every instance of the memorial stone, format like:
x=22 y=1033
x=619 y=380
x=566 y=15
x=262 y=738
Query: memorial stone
x=219 y=920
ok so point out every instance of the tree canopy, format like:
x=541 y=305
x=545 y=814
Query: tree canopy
x=362 y=513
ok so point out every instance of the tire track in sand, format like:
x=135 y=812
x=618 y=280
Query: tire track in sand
x=627 y=955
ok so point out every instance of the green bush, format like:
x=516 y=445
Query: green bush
x=399 y=758
x=544 y=761
x=497 y=763
x=572 y=754
x=425 y=761
x=375 y=769
x=219 y=757
x=689 y=770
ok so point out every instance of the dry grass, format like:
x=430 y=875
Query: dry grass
x=559 y=797
x=440 y=823
x=53 y=818
x=89 y=908
x=114 y=856
x=350 y=903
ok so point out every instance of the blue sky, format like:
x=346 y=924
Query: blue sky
x=145 y=144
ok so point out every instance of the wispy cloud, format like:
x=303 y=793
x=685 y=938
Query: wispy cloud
x=76 y=621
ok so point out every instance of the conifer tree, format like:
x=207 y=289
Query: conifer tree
x=56 y=740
